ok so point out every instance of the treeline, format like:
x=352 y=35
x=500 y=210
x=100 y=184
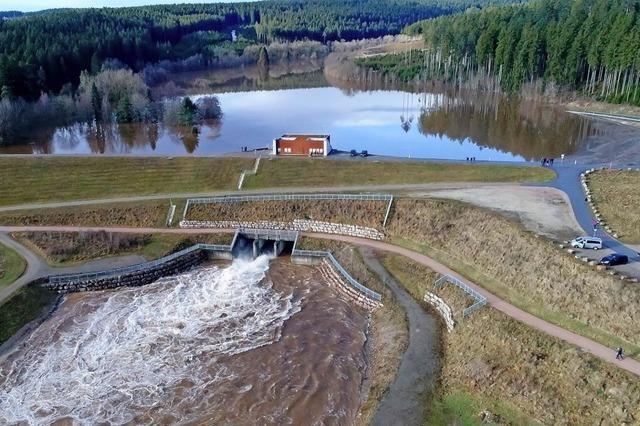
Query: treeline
x=588 y=45
x=43 y=52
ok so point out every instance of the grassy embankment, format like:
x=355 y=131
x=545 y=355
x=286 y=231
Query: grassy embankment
x=51 y=179
x=616 y=195
x=492 y=362
x=23 y=307
x=299 y=172
x=363 y=213
x=12 y=266
x=389 y=330
x=54 y=179
x=70 y=248
x=516 y=265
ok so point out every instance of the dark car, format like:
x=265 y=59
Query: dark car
x=354 y=153
x=364 y=153
x=614 y=259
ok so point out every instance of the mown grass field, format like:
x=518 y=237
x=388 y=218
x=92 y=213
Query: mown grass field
x=50 y=179
x=307 y=172
x=522 y=376
x=616 y=195
x=12 y=266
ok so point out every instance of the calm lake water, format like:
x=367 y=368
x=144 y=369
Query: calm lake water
x=384 y=122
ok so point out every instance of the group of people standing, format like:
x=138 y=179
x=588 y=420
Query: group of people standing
x=547 y=161
x=471 y=159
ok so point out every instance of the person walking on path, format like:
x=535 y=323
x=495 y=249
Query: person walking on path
x=619 y=353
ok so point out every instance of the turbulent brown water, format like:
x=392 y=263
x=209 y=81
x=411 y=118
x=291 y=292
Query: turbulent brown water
x=246 y=343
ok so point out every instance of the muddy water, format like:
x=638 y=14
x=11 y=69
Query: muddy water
x=246 y=343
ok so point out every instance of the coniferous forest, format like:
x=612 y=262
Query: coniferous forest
x=592 y=46
x=41 y=52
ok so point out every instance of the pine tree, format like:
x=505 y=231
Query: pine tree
x=125 y=112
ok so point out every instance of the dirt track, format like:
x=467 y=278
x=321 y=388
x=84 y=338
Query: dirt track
x=545 y=211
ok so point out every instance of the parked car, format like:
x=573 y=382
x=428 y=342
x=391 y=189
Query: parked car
x=354 y=153
x=364 y=153
x=614 y=259
x=594 y=243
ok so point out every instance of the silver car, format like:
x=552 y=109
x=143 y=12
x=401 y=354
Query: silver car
x=594 y=243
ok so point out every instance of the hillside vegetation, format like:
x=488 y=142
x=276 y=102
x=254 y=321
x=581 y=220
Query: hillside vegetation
x=522 y=268
x=616 y=195
x=588 y=45
x=353 y=212
x=520 y=375
x=42 y=52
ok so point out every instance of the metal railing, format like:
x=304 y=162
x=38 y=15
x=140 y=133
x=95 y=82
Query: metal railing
x=350 y=280
x=290 y=197
x=268 y=234
x=86 y=276
x=479 y=299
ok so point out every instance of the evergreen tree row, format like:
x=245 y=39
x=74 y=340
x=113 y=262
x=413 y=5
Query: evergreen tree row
x=41 y=52
x=587 y=45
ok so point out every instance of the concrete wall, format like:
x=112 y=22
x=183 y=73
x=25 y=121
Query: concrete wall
x=133 y=279
x=297 y=225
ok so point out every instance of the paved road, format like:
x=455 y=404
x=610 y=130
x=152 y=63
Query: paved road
x=568 y=181
x=420 y=364
x=596 y=349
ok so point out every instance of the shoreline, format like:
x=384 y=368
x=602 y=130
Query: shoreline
x=19 y=338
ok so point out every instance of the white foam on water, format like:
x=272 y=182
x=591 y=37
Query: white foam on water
x=135 y=345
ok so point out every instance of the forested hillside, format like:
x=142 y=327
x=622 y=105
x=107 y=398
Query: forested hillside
x=589 y=45
x=44 y=51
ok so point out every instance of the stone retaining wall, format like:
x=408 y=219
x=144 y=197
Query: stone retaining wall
x=297 y=225
x=443 y=309
x=334 y=280
x=132 y=279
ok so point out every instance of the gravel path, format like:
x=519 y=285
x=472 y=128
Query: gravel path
x=355 y=188
x=404 y=404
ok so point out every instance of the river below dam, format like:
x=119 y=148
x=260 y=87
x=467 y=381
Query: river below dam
x=251 y=342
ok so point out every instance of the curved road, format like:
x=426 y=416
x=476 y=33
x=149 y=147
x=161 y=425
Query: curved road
x=38 y=268
x=596 y=349
x=568 y=181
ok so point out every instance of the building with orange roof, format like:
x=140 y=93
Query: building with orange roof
x=308 y=145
